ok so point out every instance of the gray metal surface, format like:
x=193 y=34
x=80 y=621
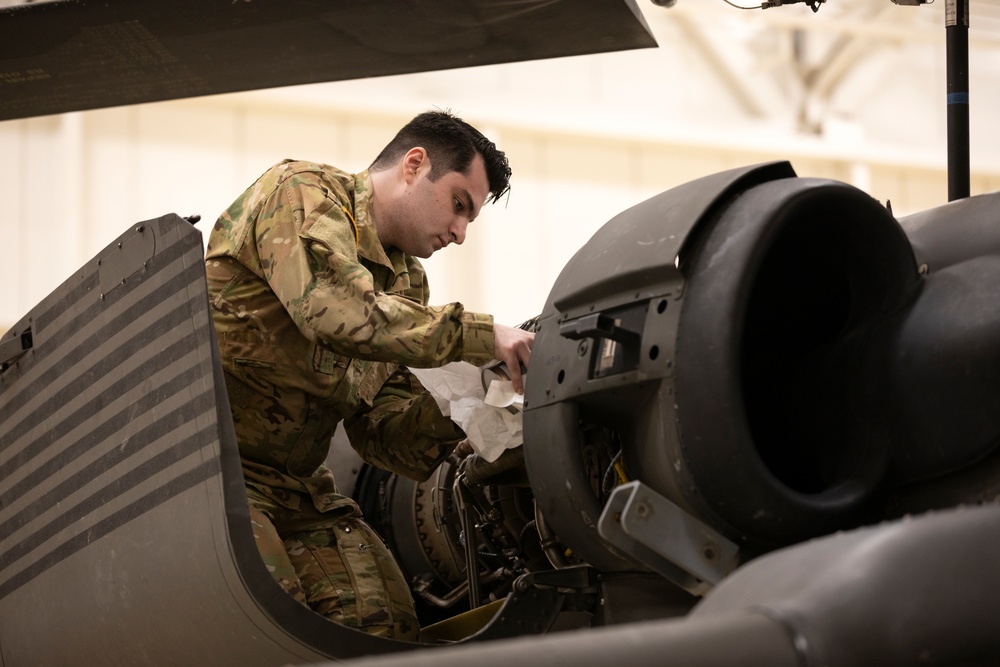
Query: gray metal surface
x=916 y=591
x=86 y=54
x=743 y=640
x=920 y=591
x=662 y=536
x=956 y=232
x=124 y=532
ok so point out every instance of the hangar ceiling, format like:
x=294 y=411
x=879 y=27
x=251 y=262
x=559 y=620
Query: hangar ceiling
x=815 y=63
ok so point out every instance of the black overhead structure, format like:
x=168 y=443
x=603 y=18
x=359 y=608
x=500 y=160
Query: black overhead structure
x=69 y=55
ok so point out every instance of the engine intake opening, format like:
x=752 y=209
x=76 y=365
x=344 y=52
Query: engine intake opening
x=788 y=292
x=806 y=297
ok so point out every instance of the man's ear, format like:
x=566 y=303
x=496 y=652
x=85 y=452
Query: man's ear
x=414 y=160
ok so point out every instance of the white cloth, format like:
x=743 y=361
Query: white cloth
x=492 y=420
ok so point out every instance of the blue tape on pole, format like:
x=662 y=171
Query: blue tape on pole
x=958 y=98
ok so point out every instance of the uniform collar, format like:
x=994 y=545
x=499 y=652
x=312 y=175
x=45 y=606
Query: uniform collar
x=369 y=244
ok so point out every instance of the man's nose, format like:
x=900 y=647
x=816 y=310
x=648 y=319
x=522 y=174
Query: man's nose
x=458 y=230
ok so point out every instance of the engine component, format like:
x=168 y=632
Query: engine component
x=771 y=356
x=469 y=511
x=659 y=534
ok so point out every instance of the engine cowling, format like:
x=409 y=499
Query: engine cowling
x=765 y=347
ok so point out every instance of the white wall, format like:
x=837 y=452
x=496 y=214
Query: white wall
x=587 y=137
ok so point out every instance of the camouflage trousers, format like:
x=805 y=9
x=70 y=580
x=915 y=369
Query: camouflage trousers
x=336 y=565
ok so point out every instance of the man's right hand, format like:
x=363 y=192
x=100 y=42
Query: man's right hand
x=513 y=347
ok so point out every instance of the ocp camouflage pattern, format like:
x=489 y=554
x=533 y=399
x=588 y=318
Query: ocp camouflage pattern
x=335 y=564
x=314 y=318
x=316 y=323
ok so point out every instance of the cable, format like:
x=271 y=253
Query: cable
x=812 y=4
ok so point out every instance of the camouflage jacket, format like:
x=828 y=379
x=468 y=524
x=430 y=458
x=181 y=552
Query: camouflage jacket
x=315 y=322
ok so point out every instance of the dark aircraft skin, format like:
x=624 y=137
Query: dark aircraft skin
x=68 y=55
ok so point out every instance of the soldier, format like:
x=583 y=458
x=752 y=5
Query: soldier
x=320 y=304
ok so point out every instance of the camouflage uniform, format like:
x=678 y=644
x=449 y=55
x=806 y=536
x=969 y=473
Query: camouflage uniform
x=314 y=320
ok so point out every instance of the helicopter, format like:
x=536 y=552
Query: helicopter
x=763 y=430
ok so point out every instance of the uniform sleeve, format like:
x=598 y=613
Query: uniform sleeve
x=404 y=431
x=306 y=242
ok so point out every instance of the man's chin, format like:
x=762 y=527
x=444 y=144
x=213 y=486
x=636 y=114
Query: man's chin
x=428 y=251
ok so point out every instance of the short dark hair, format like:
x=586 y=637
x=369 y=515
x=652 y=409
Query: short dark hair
x=451 y=143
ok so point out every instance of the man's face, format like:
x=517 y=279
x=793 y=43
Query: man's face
x=433 y=214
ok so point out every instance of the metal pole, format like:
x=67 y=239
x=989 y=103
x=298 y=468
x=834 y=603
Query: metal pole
x=957 y=49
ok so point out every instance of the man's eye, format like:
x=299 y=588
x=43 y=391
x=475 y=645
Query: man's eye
x=459 y=206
